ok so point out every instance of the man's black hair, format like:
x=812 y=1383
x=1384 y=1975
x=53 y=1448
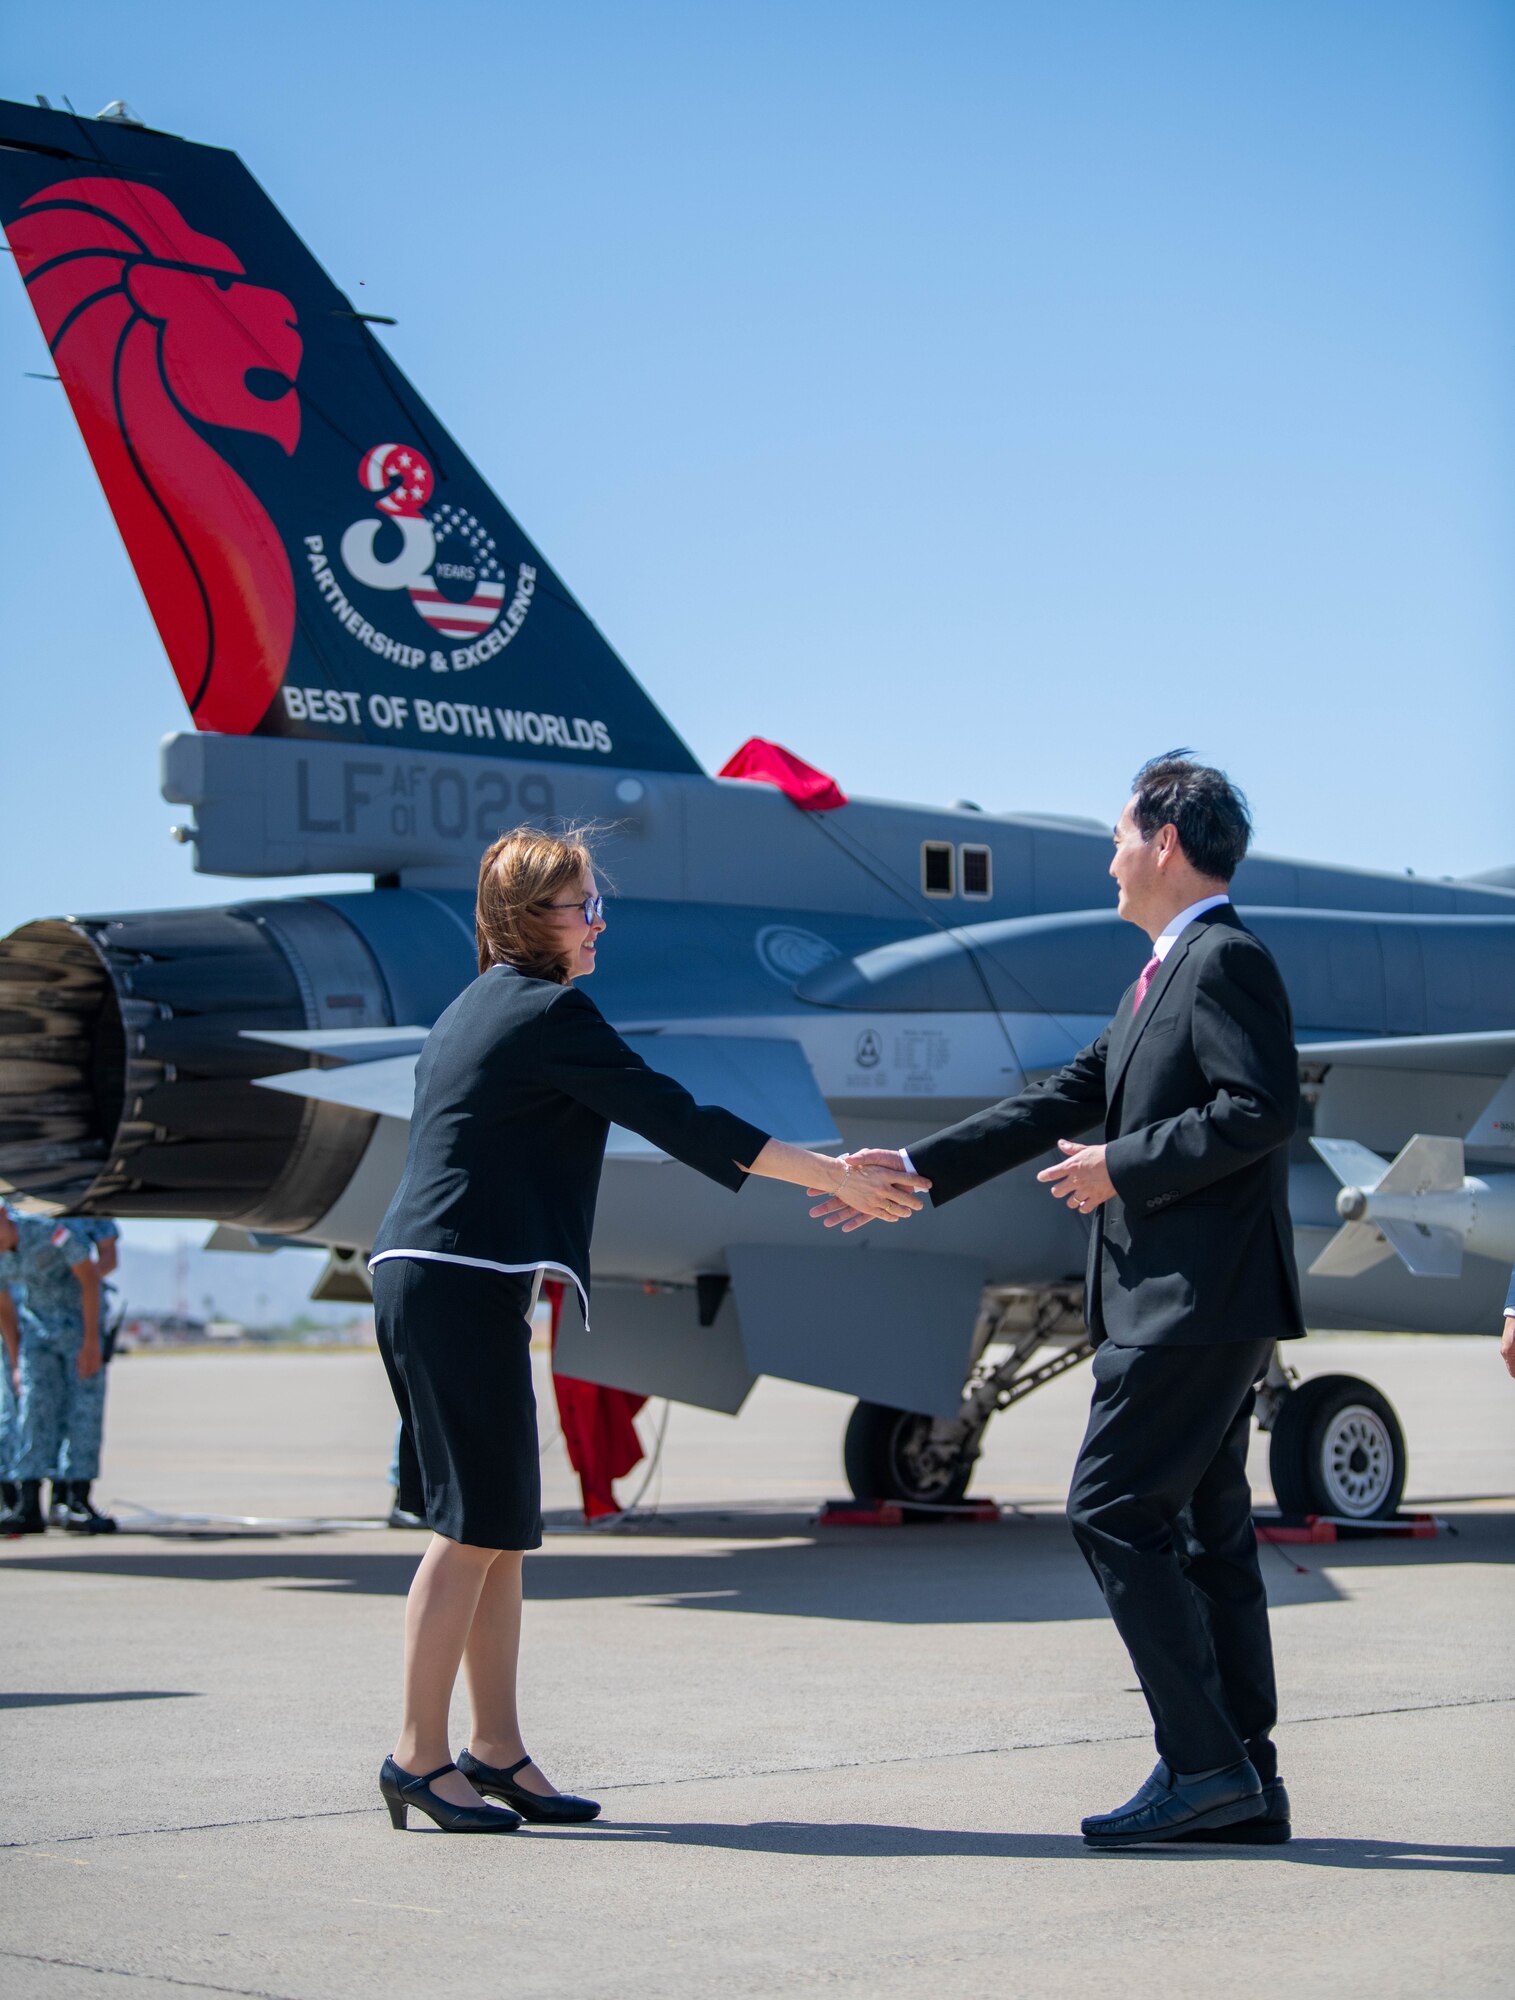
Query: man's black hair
x=1208 y=811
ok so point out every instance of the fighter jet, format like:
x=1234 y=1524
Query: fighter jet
x=383 y=671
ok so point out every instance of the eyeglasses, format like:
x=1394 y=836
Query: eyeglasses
x=592 y=909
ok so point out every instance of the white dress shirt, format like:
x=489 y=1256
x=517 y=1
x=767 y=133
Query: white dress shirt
x=1161 y=947
x=1172 y=932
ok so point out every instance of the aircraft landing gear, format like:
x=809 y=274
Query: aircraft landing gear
x=901 y=1455
x=928 y=1461
x=1337 y=1446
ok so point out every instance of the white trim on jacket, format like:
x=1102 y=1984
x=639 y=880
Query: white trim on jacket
x=539 y=1265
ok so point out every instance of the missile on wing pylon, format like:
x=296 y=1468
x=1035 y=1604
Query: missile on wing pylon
x=1423 y=1208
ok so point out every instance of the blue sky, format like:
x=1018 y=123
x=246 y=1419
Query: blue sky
x=975 y=398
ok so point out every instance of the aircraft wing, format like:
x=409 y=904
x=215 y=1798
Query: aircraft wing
x=1491 y=1053
x=767 y=1082
x=387 y=1086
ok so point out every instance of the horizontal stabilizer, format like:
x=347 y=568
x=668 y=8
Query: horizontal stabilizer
x=1486 y=1054
x=349 y=1045
x=1354 y=1165
x=386 y=1087
x=1355 y=1248
x=769 y=1083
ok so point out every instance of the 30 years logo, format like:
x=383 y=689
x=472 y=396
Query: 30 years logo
x=444 y=559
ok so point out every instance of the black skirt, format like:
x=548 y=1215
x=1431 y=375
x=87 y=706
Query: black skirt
x=457 y=1344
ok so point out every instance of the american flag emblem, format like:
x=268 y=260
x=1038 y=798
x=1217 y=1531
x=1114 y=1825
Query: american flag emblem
x=465 y=546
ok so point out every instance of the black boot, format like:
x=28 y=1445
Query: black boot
x=25 y=1518
x=10 y=1495
x=82 y=1517
x=58 y=1503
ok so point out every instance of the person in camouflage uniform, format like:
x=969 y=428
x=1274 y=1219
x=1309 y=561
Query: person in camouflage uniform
x=72 y=1506
x=48 y=1269
x=10 y=1406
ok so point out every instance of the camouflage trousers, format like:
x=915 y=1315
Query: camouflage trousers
x=10 y=1411
x=61 y=1418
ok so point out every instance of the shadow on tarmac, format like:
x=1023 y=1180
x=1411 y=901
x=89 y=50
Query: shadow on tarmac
x=24 y=1700
x=944 y=1580
x=859 y=1840
x=1025 y=1572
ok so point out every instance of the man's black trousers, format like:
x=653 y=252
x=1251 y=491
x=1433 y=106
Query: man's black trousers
x=1163 y=1513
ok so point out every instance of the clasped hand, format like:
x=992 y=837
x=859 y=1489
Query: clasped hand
x=878 y=1188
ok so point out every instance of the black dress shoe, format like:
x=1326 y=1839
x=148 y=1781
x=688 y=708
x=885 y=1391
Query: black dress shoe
x=1169 y=1806
x=402 y=1791
x=80 y=1514
x=26 y=1517
x=1268 y=1828
x=560 y=1810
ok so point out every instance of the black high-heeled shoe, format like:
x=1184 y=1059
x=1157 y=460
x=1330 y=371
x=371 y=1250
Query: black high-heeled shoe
x=402 y=1791
x=562 y=1809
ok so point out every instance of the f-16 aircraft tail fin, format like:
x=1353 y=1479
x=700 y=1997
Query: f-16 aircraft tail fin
x=320 y=557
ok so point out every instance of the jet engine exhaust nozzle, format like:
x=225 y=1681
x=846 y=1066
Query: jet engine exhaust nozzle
x=126 y=1087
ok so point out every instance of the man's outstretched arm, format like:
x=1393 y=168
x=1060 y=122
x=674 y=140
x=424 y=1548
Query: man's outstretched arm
x=1005 y=1135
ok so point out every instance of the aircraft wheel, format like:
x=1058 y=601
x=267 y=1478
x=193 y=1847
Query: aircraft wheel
x=894 y=1455
x=1338 y=1448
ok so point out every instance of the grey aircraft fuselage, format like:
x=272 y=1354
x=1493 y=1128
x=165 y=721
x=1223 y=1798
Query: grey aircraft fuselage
x=734 y=914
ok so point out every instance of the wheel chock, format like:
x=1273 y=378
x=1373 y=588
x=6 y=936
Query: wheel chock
x=1316 y=1529
x=900 y=1513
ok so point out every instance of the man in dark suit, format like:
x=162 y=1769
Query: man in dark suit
x=1191 y=1279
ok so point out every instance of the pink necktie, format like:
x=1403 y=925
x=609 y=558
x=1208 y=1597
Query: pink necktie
x=1148 y=974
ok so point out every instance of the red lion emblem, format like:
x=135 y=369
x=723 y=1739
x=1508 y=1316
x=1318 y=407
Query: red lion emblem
x=150 y=324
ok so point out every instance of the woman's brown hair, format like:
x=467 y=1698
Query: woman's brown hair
x=520 y=875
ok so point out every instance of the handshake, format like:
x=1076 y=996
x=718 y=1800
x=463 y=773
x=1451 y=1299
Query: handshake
x=875 y=1186
x=879 y=1186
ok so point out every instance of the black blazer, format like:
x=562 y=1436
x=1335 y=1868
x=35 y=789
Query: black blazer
x=516 y=1090
x=1199 y=1097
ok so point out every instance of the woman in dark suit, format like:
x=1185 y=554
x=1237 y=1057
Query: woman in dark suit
x=516 y=1090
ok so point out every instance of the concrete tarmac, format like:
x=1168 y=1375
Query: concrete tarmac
x=849 y=1761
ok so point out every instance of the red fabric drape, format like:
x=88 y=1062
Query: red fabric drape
x=771 y=764
x=602 y=1440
